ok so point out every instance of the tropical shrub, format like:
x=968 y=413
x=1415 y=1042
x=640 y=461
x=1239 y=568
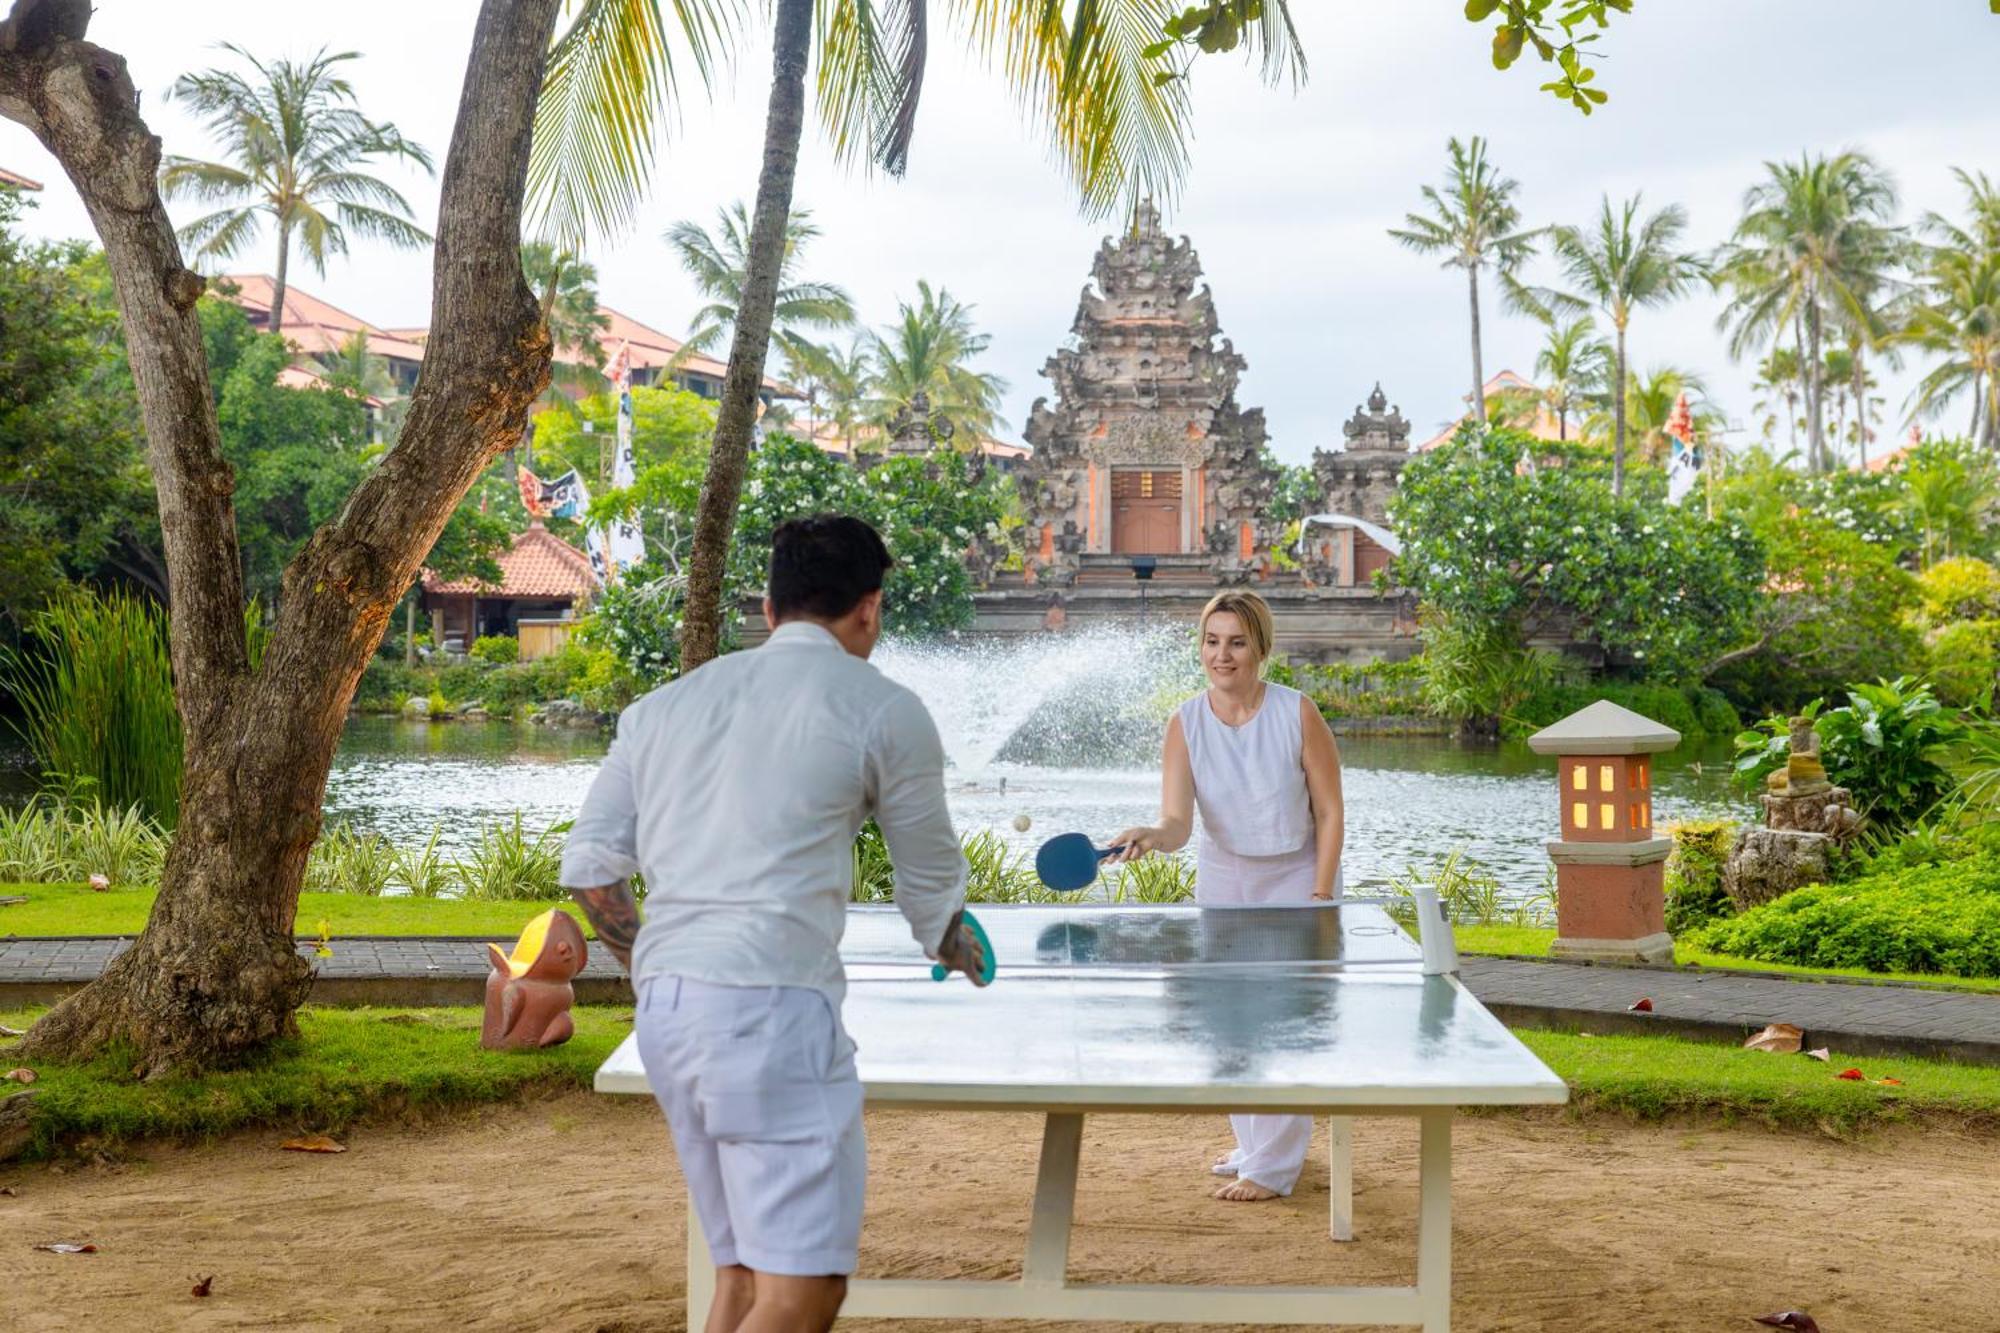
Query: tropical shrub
x=1694 y=711
x=1961 y=588
x=1694 y=874
x=497 y=649
x=1964 y=660
x=1887 y=745
x=1156 y=879
x=1470 y=893
x=422 y=871
x=1372 y=689
x=1507 y=548
x=1928 y=918
x=1476 y=670
x=97 y=700
x=66 y=842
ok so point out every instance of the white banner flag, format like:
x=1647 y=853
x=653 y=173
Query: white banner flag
x=1683 y=470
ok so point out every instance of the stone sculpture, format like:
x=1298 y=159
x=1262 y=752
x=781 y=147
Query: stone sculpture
x=528 y=992
x=1806 y=818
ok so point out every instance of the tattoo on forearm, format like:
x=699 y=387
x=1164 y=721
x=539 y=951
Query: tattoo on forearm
x=614 y=915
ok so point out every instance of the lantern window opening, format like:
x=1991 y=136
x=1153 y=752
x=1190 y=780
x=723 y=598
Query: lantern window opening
x=1579 y=815
x=1579 y=776
x=1605 y=782
x=1607 y=816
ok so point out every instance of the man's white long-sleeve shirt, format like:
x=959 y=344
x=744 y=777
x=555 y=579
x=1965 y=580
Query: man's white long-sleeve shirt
x=738 y=790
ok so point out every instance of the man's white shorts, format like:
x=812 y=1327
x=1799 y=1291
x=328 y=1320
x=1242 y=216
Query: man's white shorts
x=759 y=1089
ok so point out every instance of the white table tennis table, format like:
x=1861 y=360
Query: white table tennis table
x=1321 y=1009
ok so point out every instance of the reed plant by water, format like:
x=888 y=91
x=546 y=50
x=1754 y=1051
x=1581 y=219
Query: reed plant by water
x=1156 y=879
x=97 y=700
x=1471 y=894
x=423 y=871
x=346 y=860
x=53 y=842
x=507 y=864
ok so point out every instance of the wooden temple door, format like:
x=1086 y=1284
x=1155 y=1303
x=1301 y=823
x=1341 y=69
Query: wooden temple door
x=1145 y=512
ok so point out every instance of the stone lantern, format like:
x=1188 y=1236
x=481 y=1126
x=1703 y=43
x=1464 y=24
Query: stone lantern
x=1610 y=864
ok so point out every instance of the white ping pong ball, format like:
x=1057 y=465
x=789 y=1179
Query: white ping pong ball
x=1021 y=823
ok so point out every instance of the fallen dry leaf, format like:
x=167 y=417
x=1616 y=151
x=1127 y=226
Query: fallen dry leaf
x=21 y=1075
x=1820 y=1053
x=1798 y=1320
x=67 y=1247
x=6 y=1191
x=6 y=1031
x=1642 y=1005
x=1890 y=1082
x=100 y=882
x=1777 y=1038
x=313 y=1143
x=202 y=1284
x=1852 y=1075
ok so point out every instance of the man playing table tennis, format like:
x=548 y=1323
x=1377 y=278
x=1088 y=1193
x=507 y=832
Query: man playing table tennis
x=738 y=790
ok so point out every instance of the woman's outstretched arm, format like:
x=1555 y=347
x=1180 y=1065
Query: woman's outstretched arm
x=1176 y=824
x=1322 y=763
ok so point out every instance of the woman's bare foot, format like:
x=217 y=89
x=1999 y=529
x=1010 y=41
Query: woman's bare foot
x=1225 y=1165
x=1244 y=1191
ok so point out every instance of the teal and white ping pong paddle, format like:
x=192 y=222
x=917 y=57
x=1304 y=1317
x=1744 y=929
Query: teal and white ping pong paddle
x=1068 y=861
x=939 y=971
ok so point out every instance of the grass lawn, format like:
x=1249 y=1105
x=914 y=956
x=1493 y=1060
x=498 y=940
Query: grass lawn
x=353 y=1064
x=69 y=909
x=1533 y=942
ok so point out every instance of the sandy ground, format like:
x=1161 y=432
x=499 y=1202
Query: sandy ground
x=565 y=1214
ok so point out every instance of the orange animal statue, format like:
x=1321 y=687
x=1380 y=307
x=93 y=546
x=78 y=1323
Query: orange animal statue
x=528 y=994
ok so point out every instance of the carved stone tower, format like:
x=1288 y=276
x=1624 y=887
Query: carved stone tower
x=1355 y=486
x=1146 y=451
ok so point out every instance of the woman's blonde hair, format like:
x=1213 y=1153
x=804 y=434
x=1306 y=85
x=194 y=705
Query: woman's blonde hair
x=1251 y=610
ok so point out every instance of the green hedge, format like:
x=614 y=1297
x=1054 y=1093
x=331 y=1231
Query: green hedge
x=1694 y=874
x=1695 y=712
x=1933 y=906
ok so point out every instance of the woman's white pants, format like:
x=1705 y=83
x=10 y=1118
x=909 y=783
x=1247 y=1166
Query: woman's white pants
x=1271 y=1149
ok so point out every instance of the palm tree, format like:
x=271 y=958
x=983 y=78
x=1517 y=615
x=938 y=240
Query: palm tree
x=1098 y=83
x=720 y=266
x=1955 y=311
x=1622 y=265
x=1778 y=378
x=1813 y=248
x=1649 y=403
x=565 y=287
x=925 y=351
x=1473 y=223
x=1574 y=364
x=297 y=147
x=1952 y=494
x=351 y=366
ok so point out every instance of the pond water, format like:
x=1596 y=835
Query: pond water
x=1063 y=731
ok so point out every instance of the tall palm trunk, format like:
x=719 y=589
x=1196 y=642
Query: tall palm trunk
x=1478 y=370
x=1859 y=389
x=715 y=516
x=278 y=282
x=1815 y=385
x=1618 y=417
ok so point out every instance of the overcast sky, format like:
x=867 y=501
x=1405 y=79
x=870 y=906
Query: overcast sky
x=1289 y=197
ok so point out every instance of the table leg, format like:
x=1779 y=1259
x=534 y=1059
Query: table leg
x=1340 y=1176
x=700 y=1273
x=1434 y=1222
x=1047 y=1263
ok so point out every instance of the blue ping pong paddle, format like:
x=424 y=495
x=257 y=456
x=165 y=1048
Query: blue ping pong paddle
x=939 y=971
x=1068 y=862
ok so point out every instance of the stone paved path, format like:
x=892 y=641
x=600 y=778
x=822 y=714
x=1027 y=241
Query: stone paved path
x=1853 y=1018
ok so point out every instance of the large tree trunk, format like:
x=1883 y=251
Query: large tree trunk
x=722 y=486
x=278 y=280
x=215 y=973
x=1618 y=388
x=1478 y=371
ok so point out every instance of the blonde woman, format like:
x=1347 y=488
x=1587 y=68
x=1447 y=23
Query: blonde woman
x=1259 y=761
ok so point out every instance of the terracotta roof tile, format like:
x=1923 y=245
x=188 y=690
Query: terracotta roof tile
x=539 y=564
x=17 y=181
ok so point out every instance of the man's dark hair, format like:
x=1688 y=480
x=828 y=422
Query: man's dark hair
x=823 y=565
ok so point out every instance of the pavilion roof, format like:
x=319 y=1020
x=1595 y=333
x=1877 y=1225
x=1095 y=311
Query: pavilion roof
x=307 y=377
x=1543 y=427
x=314 y=326
x=16 y=181
x=538 y=564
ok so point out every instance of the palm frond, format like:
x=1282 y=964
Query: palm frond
x=611 y=78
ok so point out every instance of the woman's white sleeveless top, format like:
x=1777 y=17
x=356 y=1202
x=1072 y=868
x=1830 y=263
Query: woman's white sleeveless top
x=1250 y=781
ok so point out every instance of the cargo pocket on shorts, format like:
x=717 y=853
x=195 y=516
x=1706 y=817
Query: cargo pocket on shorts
x=768 y=1085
